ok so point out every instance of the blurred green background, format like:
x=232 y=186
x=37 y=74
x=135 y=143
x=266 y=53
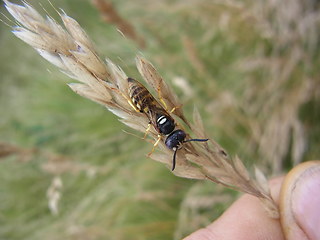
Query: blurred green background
x=251 y=67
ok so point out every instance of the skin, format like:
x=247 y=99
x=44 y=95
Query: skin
x=299 y=211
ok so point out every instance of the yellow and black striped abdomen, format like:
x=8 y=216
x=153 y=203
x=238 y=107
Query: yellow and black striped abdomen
x=141 y=97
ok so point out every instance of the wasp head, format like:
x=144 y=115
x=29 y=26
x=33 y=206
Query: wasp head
x=174 y=141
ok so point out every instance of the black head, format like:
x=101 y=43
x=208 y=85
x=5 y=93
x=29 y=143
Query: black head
x=165 y=124
x=174 y=141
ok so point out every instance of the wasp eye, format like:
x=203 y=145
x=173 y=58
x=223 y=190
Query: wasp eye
x=175 y=139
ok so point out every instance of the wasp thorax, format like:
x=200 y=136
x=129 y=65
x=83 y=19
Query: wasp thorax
x=175 y=139
x=165 y=125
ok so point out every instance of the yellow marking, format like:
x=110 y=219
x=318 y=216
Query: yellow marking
x=147 y=130
x=154 y=145
x=146 y=109
x=126 y=97
x=173 y=109
x=164 y=104
x=133 y=106
x=161 y=99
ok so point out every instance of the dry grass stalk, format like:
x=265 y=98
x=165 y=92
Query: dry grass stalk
x=54 y=195
x=7 y=149
x=283 y=124
x=55 y=165
x=110 y=15
x=293 y=28
x=105 y=83
x=193 y=55
x=59 y=164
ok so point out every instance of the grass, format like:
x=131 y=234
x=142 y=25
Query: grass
x=110 y=189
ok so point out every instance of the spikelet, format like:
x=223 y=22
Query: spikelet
x=72 y=52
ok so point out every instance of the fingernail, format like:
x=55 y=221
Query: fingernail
x=306 y=202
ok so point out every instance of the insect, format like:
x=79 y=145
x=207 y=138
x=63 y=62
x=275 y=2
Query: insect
x=164 y=124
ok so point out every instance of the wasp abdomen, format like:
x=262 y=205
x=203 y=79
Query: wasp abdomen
x=140 y=96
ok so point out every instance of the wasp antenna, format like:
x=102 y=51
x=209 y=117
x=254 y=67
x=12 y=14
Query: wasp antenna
x=174 y=159
x=196 y=140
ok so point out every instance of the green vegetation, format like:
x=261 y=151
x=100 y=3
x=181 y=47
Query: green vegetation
x=253 y=73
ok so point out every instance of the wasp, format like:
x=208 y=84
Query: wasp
x=158 y=117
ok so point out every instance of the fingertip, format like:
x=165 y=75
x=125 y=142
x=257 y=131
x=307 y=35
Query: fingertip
x=300 y=201
x=203 y=234
x=246 y=219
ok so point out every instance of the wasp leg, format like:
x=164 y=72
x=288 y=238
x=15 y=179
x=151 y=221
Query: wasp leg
x=161 y=98
x=164 y=103
x=173 y=109
x=154 y=145
x=128 y=99
x=147 y=130
x=145 y=135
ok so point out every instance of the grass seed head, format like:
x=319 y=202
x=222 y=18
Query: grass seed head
x=71 y=50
